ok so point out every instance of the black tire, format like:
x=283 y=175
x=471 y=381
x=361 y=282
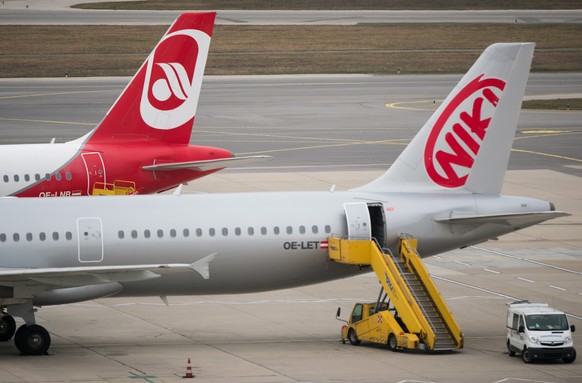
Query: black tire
x=527 y=355
x=571 y=359
x=392 y=343
x=509 y=350
x=7 y=328
x=353 y=337
x=32 y=340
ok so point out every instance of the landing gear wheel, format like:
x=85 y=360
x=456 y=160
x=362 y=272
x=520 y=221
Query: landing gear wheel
x=353 y=338
x=527 y=356
x=7 y=328
x=392 y=344
x=32 y=340
x=571 y=359
x=509 y=350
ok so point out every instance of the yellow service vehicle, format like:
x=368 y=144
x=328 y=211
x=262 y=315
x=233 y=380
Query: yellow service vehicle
x=371 y=323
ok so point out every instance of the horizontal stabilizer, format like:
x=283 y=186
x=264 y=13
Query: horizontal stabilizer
x=512 y=219
x=208 y=164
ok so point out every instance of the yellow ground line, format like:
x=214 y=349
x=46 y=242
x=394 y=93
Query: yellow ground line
x=547 y=155
x=52 y=94
x=397 y=105
x=48 y=121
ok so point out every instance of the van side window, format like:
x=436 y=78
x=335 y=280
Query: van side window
x=521 y=322
x=515 y=324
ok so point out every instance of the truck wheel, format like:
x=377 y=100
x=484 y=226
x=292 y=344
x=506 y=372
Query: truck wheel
x=392 y=344
x=353 y=338
x=509 y=350
x=571 y=359
x=527 y=355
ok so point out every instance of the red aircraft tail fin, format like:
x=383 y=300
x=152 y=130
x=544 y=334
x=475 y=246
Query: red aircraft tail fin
x=161 y=99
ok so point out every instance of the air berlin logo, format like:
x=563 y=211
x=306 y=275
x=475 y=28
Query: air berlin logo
x=173 y=79
x=456 y=137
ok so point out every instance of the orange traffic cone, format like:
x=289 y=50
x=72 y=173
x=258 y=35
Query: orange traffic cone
x=189 y=374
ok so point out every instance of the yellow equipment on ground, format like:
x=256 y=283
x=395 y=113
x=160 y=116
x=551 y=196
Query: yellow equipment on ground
x=415 y=316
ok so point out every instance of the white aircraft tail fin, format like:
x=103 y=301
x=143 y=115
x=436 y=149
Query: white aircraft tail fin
x=465 y=145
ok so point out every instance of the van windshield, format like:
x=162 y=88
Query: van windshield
x=547 y=322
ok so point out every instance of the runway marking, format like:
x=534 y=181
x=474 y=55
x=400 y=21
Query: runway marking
x=525 y=280
x=397 y=105
x=547 y=155
x=558 y=288
x=527 y=260
x=48 y=121
x=462 y=263
x=492 y=271
x=52 y=94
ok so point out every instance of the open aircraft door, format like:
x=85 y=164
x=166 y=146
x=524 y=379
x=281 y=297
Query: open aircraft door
x=358 y=220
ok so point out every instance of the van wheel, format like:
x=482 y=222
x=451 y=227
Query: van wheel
x=509 y=350
x=353 y=338
x=527 y=355
x=392 y=344
x=571 y=359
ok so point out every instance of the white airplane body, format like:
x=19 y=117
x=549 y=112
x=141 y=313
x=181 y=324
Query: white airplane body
x=142 y=144
x=444 y=189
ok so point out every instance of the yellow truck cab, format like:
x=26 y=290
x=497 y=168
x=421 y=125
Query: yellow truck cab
x=378 y=324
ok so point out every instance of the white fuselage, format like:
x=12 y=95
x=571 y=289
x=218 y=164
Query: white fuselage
x=261 y=241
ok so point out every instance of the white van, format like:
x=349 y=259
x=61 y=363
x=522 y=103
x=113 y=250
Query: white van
x=537 y=331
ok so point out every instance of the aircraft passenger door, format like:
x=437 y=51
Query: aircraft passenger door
x=95 y=170
x=90 y=236
x=358 y=220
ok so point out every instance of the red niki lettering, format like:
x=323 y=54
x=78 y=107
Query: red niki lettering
x=459 y=131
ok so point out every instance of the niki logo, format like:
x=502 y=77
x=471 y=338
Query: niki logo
x=457 y=135
x=173 y=78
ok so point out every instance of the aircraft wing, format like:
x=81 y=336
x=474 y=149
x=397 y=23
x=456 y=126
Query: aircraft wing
x=513 y=219
x=207 y=164
x=94 y=275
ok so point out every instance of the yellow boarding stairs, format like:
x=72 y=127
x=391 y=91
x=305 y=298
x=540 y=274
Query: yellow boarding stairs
x=118 y=187
x=418 y=317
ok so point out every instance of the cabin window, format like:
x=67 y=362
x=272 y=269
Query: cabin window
x=16 y=237
x=47 y=177
x=121 y=234
x=2 y=237
x=68 y=235
x=29 y=237
x=134 y=234
x=314 y=229
x=301 y=229
x=147 y=233
x=251 y=230
x=68 y=176
x=237 y=231
x=186 y=233
x=55 y=236
x=327 y=229
x=199 y=232
x=276 y=230
x=58 y=176
x=16 y=178
x=289 y=230
x=211 y=232
x=37 y=177
x=224 y=231
x=173 y=233
x=6 y=178
x=264 y=230
x=160 y=233
x=26 y=177
x=42 y=236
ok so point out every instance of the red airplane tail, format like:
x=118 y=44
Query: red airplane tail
x=161 y=99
